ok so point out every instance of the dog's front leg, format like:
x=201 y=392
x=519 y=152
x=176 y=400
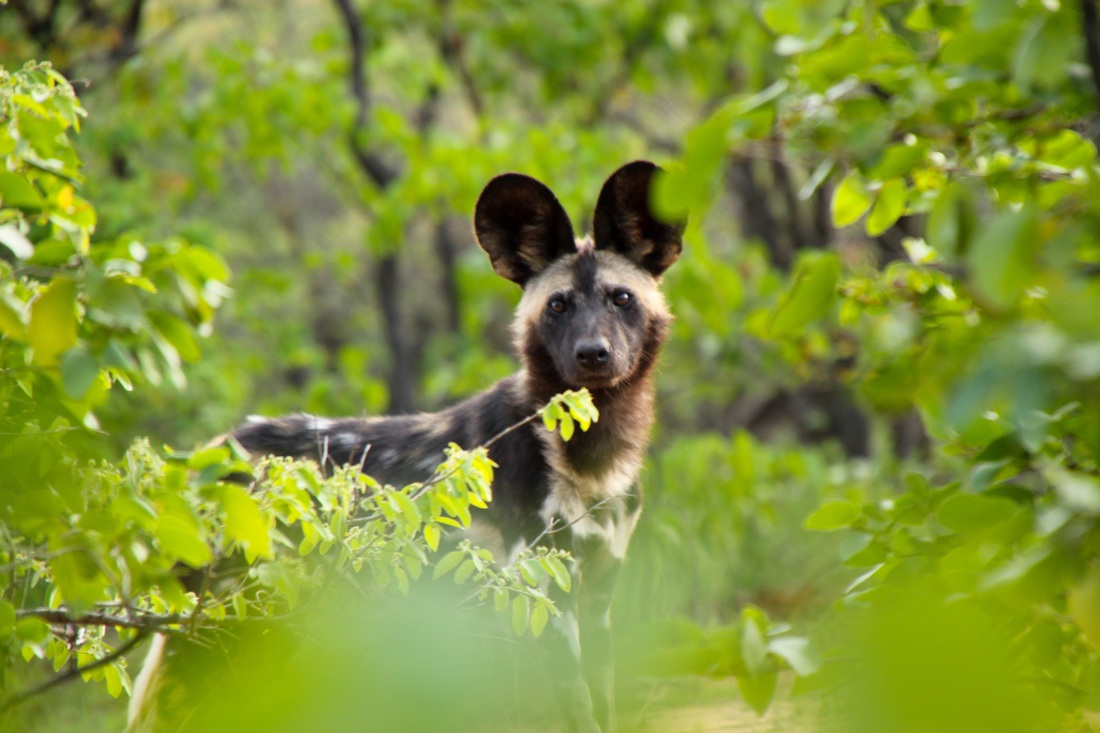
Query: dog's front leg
x=598 y=576
x=562 y=642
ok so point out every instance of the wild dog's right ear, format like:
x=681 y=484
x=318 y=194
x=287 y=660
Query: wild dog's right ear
x=522 y=226
x=624 y=223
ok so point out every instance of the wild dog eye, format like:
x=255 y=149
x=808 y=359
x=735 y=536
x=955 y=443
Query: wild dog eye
x=556 y=305
x=621 y=298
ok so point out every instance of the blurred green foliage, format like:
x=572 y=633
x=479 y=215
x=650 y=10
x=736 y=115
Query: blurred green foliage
x=887 y=328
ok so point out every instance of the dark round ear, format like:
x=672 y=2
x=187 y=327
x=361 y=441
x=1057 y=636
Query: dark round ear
x=520 y=223
x=624 y=222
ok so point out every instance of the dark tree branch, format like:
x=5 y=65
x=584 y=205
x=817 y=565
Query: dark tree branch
x=371 y=164
x=446 y=249
x=140 y=621
x=403 y=351
x=39 y=27
x=755 y=215
x=70 y=674
x=1090 y=27
x=388 y=282
x=90 y=13
x=451 y=48
x=128 y=31
x=781 y=177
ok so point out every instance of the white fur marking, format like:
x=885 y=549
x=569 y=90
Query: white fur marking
x=320 y=424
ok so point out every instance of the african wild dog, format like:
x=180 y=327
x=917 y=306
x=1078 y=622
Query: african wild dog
x=590 y=316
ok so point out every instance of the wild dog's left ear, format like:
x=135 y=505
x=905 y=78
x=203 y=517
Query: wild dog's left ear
x=624 y=222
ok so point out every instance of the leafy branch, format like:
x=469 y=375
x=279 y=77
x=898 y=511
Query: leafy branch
x=72 y=673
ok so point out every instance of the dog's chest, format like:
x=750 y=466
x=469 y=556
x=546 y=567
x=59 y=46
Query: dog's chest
x=594 y=509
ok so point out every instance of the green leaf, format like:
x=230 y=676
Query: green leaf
x=407 y=506
x=567 y=426
x=465 y=570
x=32 y=630
x=1005 y=446
x=952 y=221
x=810 y=296
x=7 y=620
x=797 y=652
x=920 y=18
x=559 y=573
x=833 y=515
x=889 y=206
x=1000 y=261
x=207 y=457
x=432 y=535
x=758 y=691
x=180 y=538
x=539 y=617
x=177 y=333
x=679 y=660
x=53 y=325
x=684 y=185
x=754 y=651
x=521 y=612
x=113 y=680
x=244 y=522
x=11 y=319
x=449 y=562
x=850 y=200
x=1042 y=54
x=79 y=580
x=16 y=192
x=965 y=513
x=208 y=263
x=1064 y=149
x=532 y=572
x=899 y=160
x=79 y=370
x=550 y=415
x=1079 y=491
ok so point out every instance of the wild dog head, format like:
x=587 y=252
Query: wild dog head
x=591 y=314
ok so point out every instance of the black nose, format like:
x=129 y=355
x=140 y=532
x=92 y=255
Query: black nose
x=592 y=352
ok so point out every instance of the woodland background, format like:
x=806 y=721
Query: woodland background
x=879 y=415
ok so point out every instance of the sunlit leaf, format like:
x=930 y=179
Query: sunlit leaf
x=17 y=192
x=850 y=200
x=889 y=206
x=798 y=652
x=833 y=515
x=244 y=522
x=180 y=538
x=53 y=323
x=539 y=617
